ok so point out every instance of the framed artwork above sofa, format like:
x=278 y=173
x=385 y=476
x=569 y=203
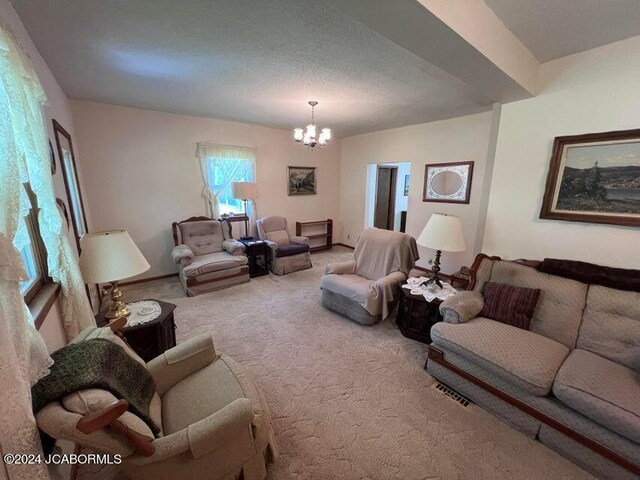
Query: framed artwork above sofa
x=594 y=178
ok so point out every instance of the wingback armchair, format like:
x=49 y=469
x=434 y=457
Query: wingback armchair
x=289 y=253
x=214 y=421
x=365 y=289
x=208 y=257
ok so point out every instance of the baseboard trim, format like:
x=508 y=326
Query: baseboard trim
x=149 y=279
x=438 y=357
x=344 y=245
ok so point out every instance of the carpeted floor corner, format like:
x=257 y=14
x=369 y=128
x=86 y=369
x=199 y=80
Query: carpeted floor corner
x=348 y=401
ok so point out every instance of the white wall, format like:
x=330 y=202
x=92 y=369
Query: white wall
x=455 y=140
x=142 y=174
x=593 y=91
x=57 y=107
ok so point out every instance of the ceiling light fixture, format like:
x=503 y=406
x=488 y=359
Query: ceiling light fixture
x=307 y=136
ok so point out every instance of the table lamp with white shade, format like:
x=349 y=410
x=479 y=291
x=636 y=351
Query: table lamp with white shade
x=108 y=257
x=442 y=233
x=245 y=191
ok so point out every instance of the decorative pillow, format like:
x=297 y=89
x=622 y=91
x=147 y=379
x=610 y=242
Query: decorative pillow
x=509 y=304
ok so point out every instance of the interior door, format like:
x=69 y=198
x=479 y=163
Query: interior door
x=384 y=212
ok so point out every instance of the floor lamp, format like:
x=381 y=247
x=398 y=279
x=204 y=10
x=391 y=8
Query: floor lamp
x=245 y=191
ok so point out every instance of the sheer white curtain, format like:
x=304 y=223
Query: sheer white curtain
x=24 y=158
x=220 y=166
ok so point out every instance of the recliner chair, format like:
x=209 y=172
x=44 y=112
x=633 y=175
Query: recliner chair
x=289 y=253
x=365 y=289
x=214 y=421
x=208 y=257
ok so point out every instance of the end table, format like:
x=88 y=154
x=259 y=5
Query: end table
x=257 y=251
x=416 y=316
x=152 y=338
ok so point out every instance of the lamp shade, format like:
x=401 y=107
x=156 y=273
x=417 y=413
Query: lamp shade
x=110 y=256
x=443 y=232
x=244 y=190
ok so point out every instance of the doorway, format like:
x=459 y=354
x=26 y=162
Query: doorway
x=385 y=206
x=387 y=195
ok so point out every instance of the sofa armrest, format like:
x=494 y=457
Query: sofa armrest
x=231 y=425
x=179 y=362
x=299 y=240
x=182 y=255
x=391 y=280
x=462 y=307
x=340 y=268
x=233 y=246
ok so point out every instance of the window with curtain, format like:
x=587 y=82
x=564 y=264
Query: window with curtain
x=221 y=174
x=221 y=165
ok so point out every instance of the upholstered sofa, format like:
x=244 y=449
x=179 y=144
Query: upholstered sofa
x=208 y=258
x=289 y=253
x=573 y=379
x=366 y=288
x=214 y=421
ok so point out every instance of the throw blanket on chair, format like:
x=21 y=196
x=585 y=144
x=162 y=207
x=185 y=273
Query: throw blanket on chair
x=97 y=363
x=381 y=252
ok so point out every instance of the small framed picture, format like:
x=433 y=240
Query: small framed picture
x=447 y=182
x=53 y=158
x=594 y=178
x=63 y=211
x=407 y=179
x=301 y=181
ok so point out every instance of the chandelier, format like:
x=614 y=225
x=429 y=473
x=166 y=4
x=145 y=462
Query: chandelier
x=307 y=136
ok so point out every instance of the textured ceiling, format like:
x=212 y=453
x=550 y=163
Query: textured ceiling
x=250 y=61
x=552 y=29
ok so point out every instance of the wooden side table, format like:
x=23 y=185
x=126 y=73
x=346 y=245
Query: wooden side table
x=416 y=316
x=257 y=251
x=152 y=338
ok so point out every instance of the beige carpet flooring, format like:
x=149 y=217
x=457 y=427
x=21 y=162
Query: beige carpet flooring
x=348 y=401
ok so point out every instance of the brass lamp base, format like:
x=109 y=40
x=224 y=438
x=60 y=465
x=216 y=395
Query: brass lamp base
x=118 y=308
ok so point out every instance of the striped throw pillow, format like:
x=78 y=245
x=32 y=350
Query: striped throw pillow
x=508 y=304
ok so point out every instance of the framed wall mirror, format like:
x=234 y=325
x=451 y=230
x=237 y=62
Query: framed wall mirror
x=448 y=182
x=78 y=219
x=71 y=182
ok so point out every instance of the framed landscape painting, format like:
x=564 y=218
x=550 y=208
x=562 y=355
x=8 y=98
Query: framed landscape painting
x=301 y=181
x=595 y=178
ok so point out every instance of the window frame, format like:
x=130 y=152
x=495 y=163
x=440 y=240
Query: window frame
x=38 y=248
